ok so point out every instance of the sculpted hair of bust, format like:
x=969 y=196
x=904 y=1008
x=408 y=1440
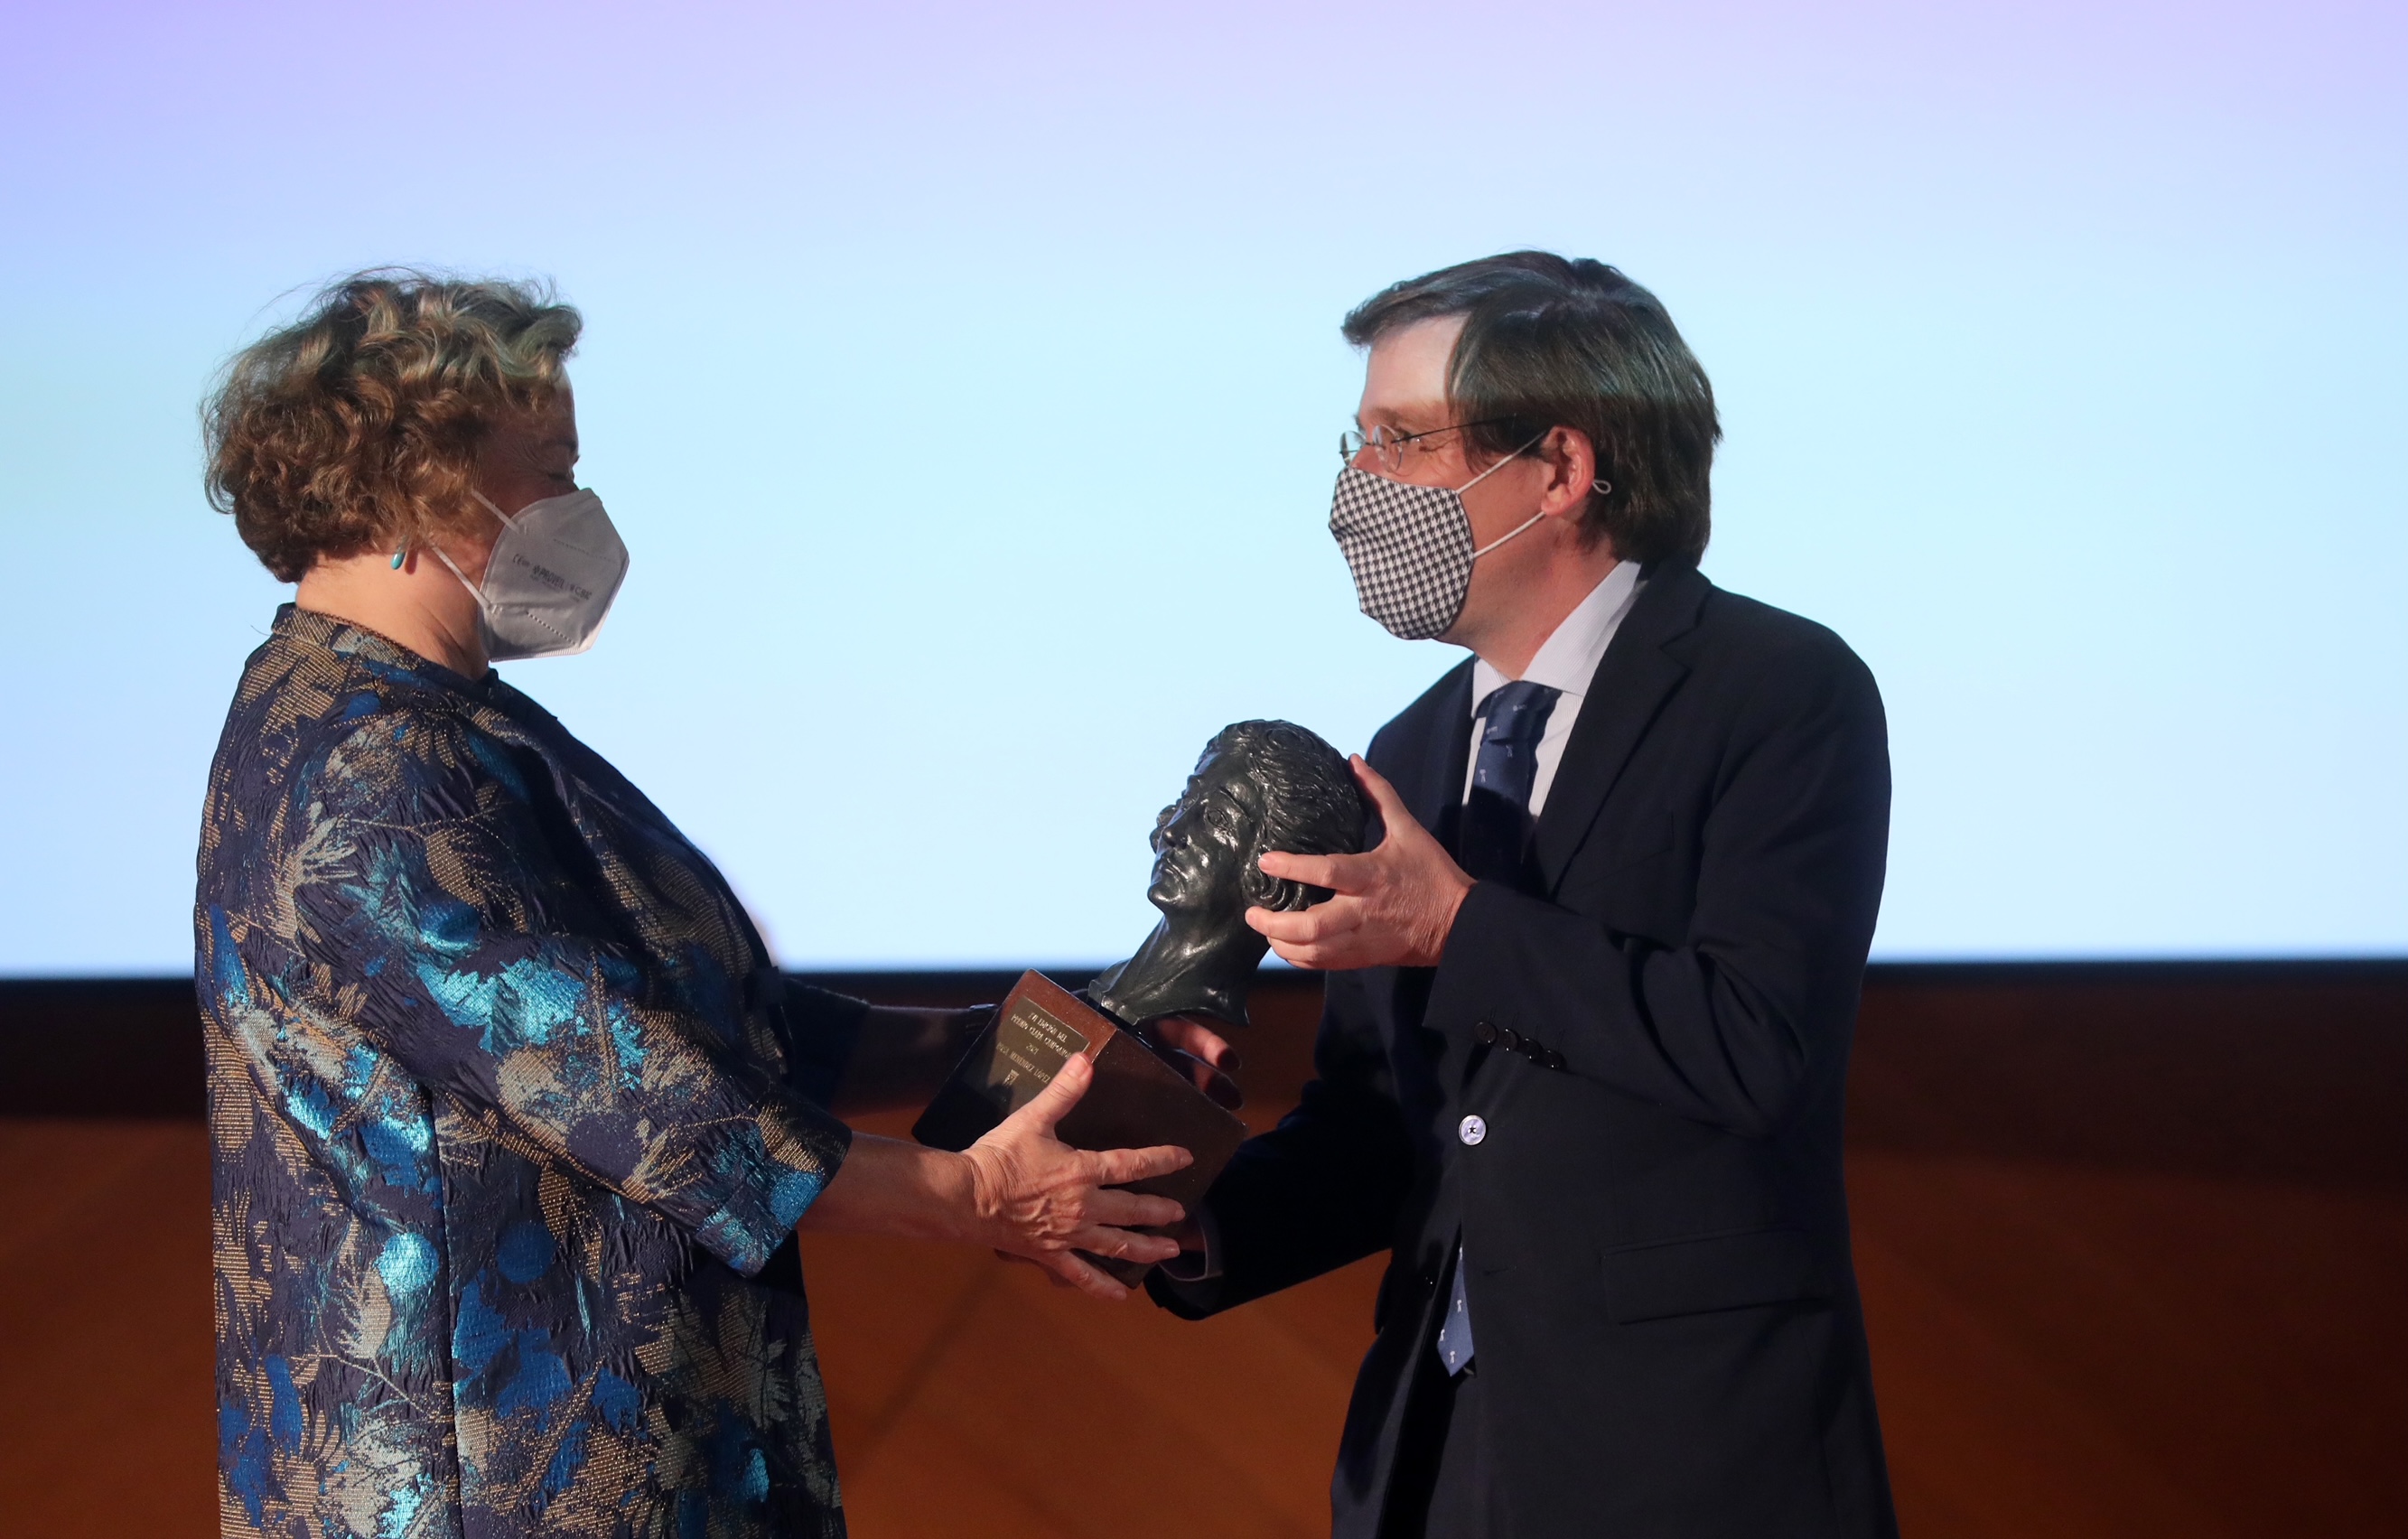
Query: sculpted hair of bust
x=1259 y=785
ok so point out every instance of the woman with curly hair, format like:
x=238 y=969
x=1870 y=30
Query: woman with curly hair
x=513 y=1116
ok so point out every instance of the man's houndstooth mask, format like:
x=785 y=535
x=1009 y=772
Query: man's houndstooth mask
x=1410 y=548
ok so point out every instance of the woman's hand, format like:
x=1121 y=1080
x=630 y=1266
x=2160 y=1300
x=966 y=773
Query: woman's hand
x=1018 y=1191
x=1043 y=1199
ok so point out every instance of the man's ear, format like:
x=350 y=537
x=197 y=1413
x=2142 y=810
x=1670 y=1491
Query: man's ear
x=1571 y=467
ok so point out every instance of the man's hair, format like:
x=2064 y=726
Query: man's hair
x=1548 y=342
x=1310 y=803
x=356 y=427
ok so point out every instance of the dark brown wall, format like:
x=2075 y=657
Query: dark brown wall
x=2134 y=1247
x=2133 y=1241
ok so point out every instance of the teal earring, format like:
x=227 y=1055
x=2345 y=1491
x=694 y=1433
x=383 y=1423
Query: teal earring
x=397 y=555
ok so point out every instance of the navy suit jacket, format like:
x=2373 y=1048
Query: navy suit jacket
x=1669 y=1336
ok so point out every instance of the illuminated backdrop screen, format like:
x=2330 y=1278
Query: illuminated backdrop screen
x=2060 y=349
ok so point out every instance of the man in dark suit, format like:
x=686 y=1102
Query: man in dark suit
x=1590 y=997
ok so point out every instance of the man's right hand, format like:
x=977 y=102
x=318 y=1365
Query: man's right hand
x=1043 y=1199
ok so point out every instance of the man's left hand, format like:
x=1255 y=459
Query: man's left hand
x=1394 y=904
x=1202 y=1052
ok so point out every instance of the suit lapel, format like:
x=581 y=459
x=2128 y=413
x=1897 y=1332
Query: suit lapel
x=1430 y=781
x=1436 y=795
x=1633 y=681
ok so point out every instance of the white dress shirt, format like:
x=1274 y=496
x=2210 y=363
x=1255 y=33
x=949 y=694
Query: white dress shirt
x=1565 y=662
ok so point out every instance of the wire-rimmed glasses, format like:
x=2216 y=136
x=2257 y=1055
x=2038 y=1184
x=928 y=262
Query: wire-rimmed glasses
x=1387 y=447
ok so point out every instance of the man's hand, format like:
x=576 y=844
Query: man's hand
x=1201 y=1052
x=1394 y=904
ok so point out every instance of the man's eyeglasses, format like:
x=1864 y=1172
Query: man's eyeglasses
x=1388 y=448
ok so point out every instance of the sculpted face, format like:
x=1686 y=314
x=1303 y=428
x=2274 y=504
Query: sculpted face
x=1260 y=785
x=1203 y=841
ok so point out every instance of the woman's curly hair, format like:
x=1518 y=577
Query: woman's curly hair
x=356 y=427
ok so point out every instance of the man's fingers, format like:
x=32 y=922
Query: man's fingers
x=1199 y=1052
x=1328 y=954
x=1337 y=872
x=1218 y=1088
x=1119 y=1167
x=1054 y=1101
x=1306 y=926
x=1278 y=925
x=1307 y=958
x=1392 y=808
x=1197 y=1039
x=1133 y=1210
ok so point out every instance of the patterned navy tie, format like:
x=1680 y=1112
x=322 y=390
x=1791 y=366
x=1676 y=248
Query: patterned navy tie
x=1492 y=846
x=1497 y=814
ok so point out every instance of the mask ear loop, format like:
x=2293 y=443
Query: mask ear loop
x=1503 y=537
x=475 y=592
x=1484 y=475
x=1503 y=460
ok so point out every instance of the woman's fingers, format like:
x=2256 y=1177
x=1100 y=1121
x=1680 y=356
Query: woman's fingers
x=1083 y=1275
x=1119 y=1167
x=1053 y=1278
x=1124 y=1245
x=1132 y=1210
x=1052 y=1104
x=1048 y=1199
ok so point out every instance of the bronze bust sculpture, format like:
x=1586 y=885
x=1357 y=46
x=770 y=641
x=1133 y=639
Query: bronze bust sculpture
x=1259 y=785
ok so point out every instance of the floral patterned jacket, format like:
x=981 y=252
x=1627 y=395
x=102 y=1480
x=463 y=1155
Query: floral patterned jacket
x=512 y=1118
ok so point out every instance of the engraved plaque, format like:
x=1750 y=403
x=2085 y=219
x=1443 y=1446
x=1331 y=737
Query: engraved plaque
x=1028 y=1046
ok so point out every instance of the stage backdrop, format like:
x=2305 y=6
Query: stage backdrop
x=965 y=379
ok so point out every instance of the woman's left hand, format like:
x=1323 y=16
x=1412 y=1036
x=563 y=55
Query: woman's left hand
x=1045 y=1200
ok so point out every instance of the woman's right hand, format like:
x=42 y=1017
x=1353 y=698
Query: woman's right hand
x=1045 y=1200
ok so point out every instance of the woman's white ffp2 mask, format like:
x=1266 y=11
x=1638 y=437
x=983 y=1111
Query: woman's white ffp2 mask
x=555 y=567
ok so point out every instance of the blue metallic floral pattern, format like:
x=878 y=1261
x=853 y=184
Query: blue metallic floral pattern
x=512 y=1119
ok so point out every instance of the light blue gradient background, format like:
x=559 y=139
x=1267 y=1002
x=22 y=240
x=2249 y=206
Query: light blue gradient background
x=2060 y=350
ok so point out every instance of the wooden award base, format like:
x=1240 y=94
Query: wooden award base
x=1135 y=1101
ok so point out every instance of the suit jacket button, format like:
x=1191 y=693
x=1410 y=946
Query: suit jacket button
x=1482 y=1032
x=1472 y=1130
x=1554 y=1059
x=1509 y=1037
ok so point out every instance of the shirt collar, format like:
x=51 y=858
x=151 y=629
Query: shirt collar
x=1567 y=660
